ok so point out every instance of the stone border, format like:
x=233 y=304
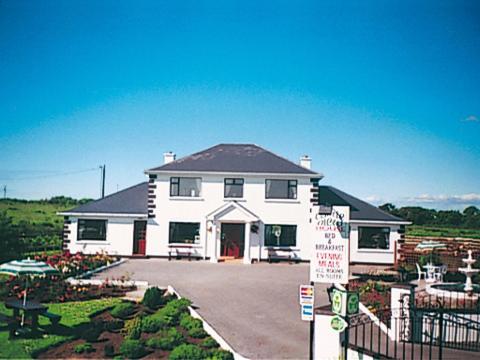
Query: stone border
x=447 y=293
x=209 y=329
x=94 y=271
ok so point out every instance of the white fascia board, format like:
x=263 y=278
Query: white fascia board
x=392 y=222
x=80 y=214
x=184 y=172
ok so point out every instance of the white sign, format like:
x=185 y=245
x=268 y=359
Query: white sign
x=329 y=263
x=307 y=294
x=307 y=312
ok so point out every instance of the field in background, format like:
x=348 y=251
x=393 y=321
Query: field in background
x=37 y=213
x=437 y=231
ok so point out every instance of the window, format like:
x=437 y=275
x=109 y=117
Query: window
x=374 y=238
x=184 y=186
x=184 y=233
x=280 y=235
x=280 y=189
x=92 y=230
x=233 y=188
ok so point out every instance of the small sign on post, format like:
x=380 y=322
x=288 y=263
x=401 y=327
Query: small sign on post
x=307 y=312
x=338 y=323
x=306 y=294
x=345 y=302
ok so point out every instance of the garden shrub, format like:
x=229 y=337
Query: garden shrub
x=109 y=350
x=132 y=349
x=187 y=352
x=210 y=343
x=114 y=325
x=153 y=323
x=153 y=298
x=93 y=331
x=83 y=348
x=123 y=310
x=166 y=340
x=188 y=322
x=133 y=328
x=172 y=311
x=220 y=354
x=197 y=333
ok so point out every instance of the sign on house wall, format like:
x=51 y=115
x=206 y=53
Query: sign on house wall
x=330 y=261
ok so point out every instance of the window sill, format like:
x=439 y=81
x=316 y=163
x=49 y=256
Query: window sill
x=186 y=198
x=291 y=248
x=380 y=251
x=194 y=246
x=92 y=242
x=235 y=199
x=283 y=201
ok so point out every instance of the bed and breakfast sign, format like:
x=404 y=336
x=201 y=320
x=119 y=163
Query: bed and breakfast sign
x=330 y=261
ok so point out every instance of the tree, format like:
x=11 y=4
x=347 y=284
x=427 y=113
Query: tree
x=11 y=247
x=389 y=208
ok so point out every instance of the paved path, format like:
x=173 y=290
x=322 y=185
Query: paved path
x=254 y=308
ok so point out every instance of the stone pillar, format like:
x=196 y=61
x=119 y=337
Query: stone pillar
x=213 y=257
x=401 y=300
x=327 y=342
x=246 y=253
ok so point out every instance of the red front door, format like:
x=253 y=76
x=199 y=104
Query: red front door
x=139 y=237
x=233 y=240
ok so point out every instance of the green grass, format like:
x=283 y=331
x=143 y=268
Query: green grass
x=33 y=212
x=73 y=314
x=437 y=231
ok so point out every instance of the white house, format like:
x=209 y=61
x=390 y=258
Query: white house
x=226 y=202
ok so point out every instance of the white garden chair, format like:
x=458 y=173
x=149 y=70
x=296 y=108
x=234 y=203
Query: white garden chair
x=420 y=272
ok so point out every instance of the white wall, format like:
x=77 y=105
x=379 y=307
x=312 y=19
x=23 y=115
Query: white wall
x=119 y=237
x=174 y=209
x=374 y=256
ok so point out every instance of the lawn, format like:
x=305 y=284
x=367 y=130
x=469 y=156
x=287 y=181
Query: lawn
x=73 y=314
x=436 y=231
x=33 y=212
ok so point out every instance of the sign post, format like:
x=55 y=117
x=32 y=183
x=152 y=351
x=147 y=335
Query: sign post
x=307 y=299
x=330 y=261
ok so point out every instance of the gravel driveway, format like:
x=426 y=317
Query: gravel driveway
x=254 y=308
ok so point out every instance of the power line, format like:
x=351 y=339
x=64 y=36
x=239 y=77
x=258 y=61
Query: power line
x=50 y=176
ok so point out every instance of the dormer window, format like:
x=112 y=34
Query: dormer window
x=280 y=189
x=185 y=186
x=233 y=188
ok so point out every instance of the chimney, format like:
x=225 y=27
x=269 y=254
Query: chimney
x=306 y=162
x=168 y=157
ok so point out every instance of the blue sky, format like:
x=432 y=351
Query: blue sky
x=383 y=95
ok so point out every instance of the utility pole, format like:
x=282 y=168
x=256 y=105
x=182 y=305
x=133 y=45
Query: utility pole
x=102 y=168
x=4 y=191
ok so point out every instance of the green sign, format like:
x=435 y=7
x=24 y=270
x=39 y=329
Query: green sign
x=338 y=324
x=352 y=303
x=337 y=301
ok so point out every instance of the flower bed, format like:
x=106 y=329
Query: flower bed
x=375 y=295
x=162 y=330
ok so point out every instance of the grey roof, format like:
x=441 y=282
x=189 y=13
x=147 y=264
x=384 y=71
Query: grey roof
x=132 y=200
x=359 y=209
x=237 y=158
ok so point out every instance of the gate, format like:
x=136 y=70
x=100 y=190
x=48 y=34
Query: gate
x=426 y=327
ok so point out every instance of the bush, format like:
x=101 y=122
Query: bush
x=93 y=332
x=210 y=343
x=83 y=348
x=153 y=323
x=153 y=298
x=133 y=328
x=123 y=310
x=114 y=325
x=166 y=340
x=132 y=349
x=188 y=322
x=220 y=354
x=109 y=350
x=173 y=310
x=197 y=333
x=187 y=352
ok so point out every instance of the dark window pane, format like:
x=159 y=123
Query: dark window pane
x=184 y=233
x=185 y=186
x=373 y=238
x=281 y=189
x=280 y=235
x=92 y=229
x=233 y=188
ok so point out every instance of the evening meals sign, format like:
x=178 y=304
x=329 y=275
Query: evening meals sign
x=329 y=262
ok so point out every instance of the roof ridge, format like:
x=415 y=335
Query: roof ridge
x=362 y=201
x=284 y=158
x=110 y=195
